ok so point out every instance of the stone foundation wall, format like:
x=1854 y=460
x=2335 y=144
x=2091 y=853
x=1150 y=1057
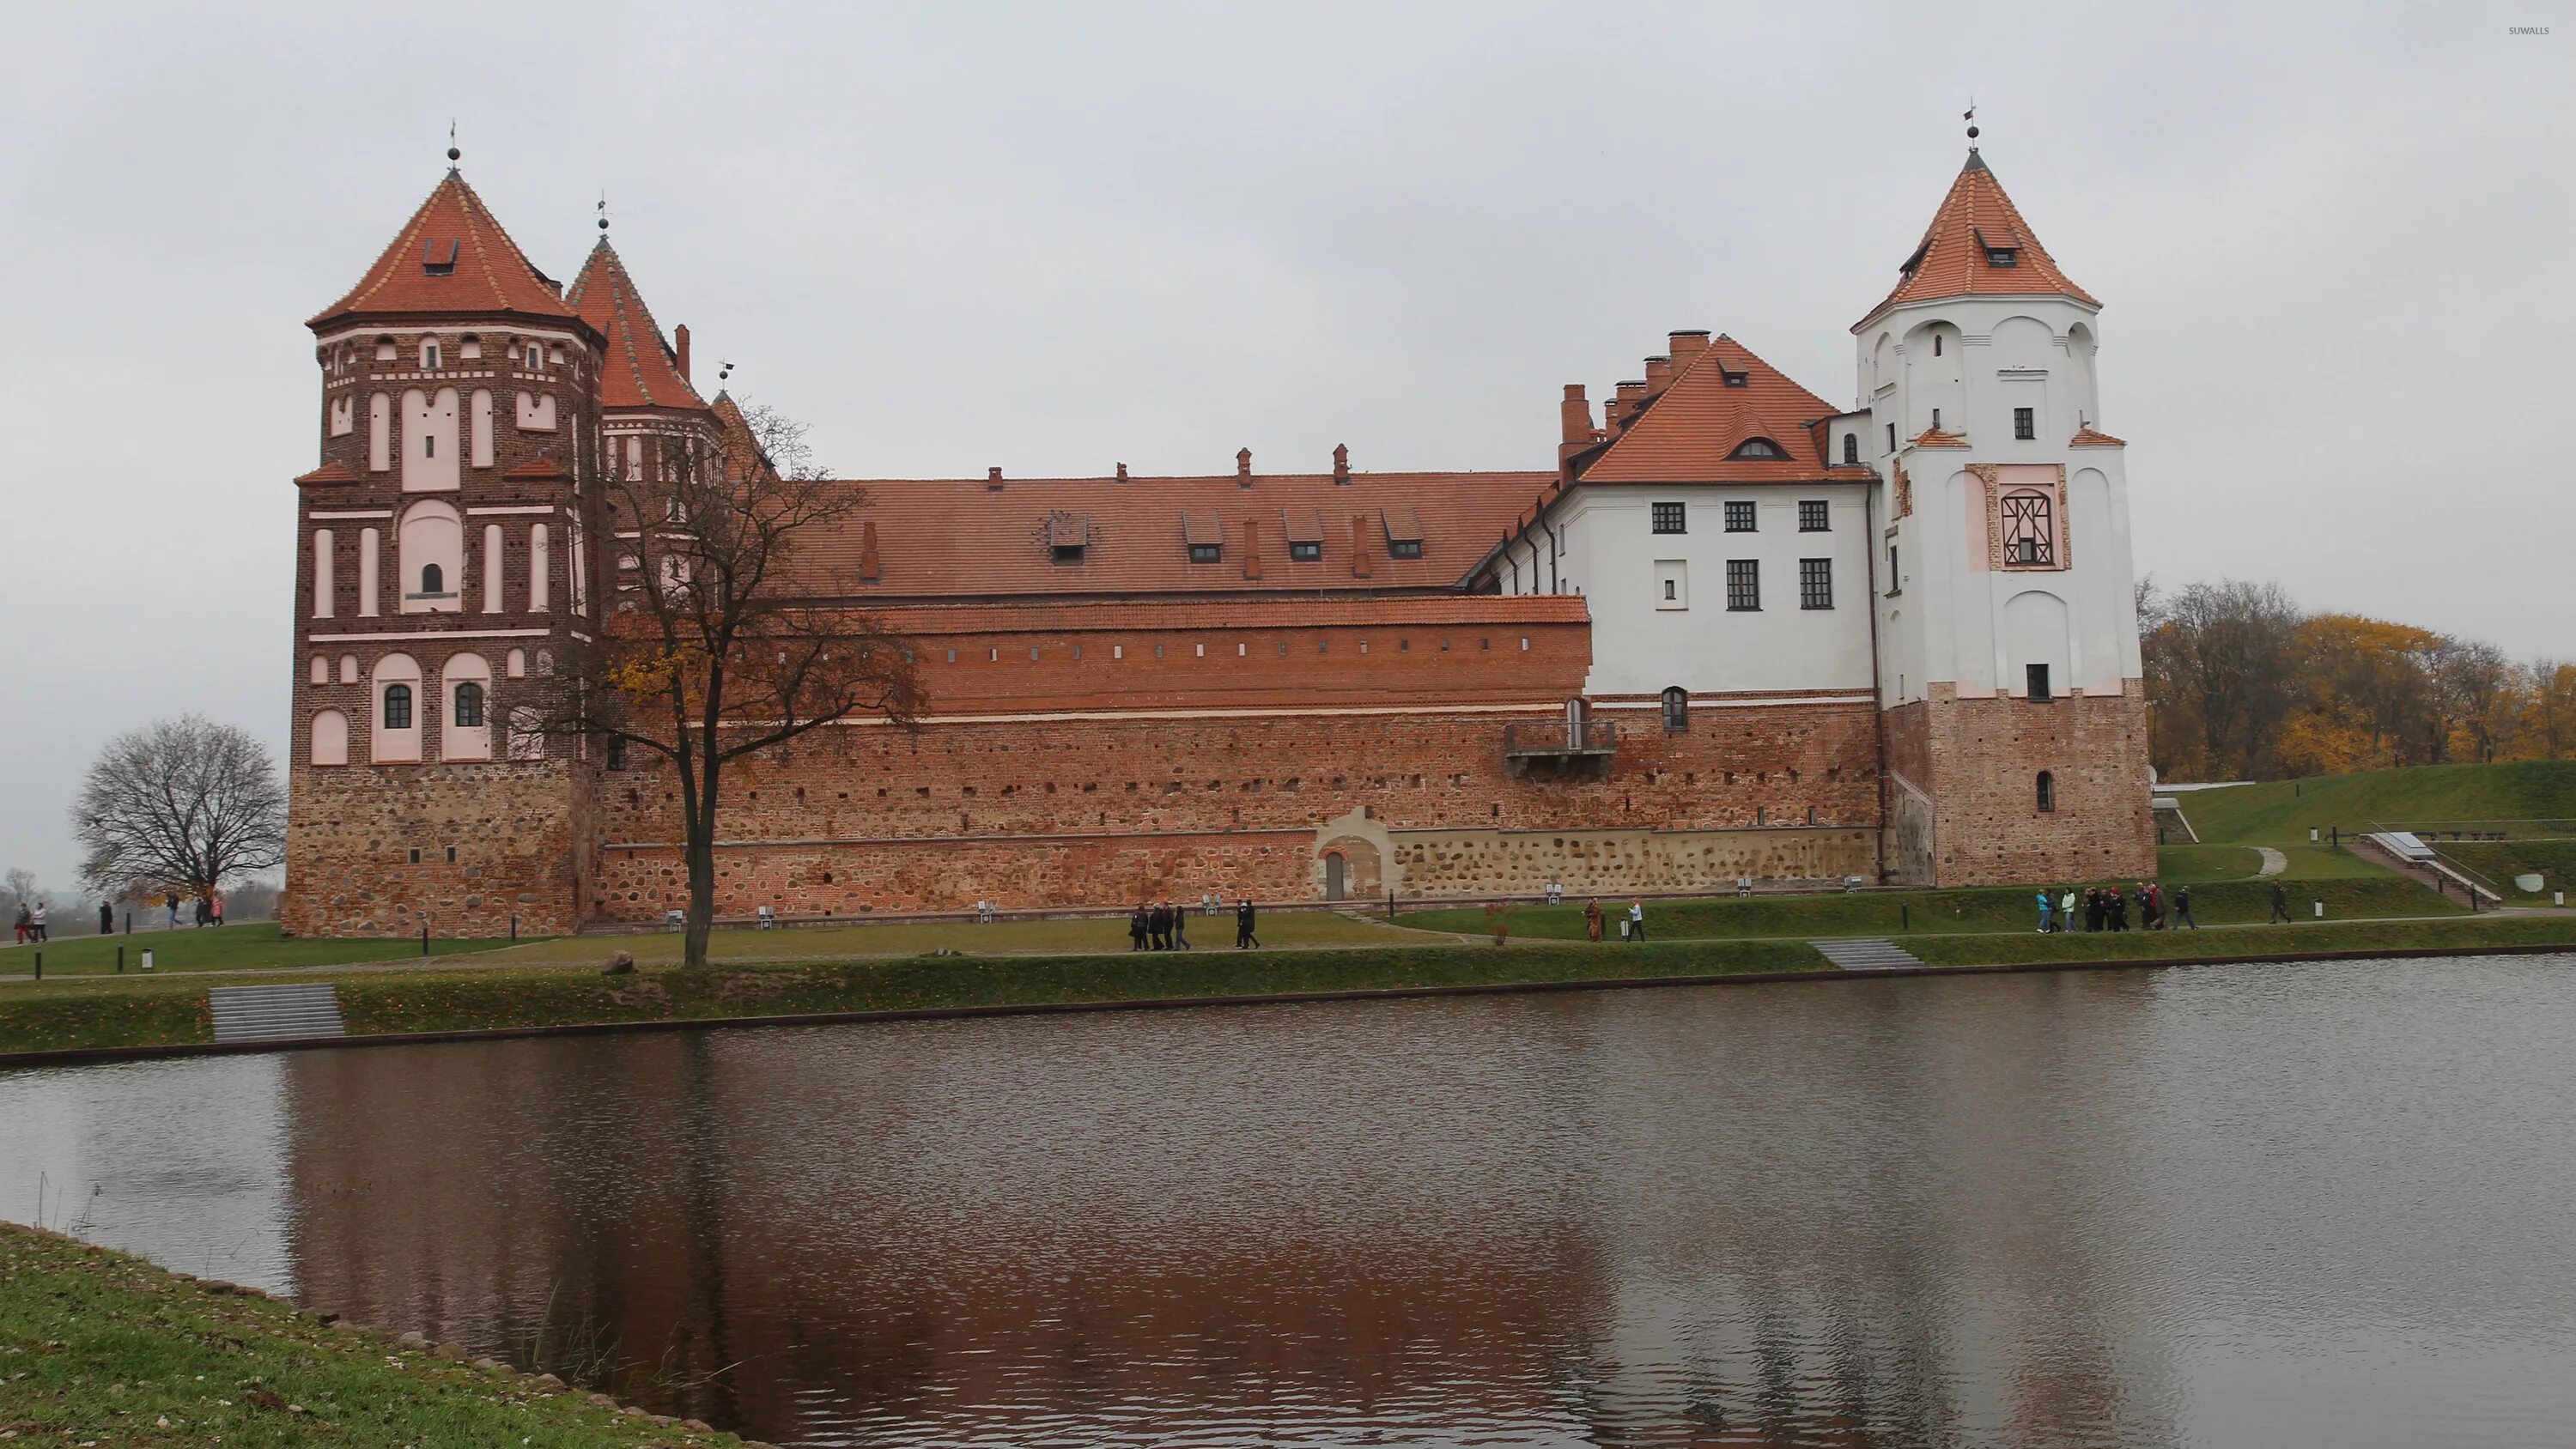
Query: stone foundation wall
x=1985 y=758
x=1435 y=864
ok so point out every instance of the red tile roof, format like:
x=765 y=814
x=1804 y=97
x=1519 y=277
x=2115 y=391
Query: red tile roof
x=961 y=538
x=1951 y=259
x=640 y=369
x=1936 y=438
x=920 y=621
x=450 y=259
x=540 y=467
x=1689 y=432
x=330 y=473
x=2095 y=438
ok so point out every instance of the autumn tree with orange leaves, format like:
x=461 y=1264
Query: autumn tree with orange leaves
x=712 y=646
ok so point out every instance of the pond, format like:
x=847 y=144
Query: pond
x=2323 y=1203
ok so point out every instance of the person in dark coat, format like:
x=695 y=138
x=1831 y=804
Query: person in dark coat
x=1136 y=930
x=1180 y=925
x=2092 y=908
x=106 y=920
x=1244 y=939
x=2280 y=902
x=2119 y=908
x=2182 y=908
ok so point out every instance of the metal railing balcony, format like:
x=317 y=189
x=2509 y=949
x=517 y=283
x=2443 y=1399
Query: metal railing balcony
x=1560 y=748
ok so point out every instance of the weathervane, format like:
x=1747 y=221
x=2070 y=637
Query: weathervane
x=452 y=153
x=1971 y=119
x=603 y=210
x=724 y=372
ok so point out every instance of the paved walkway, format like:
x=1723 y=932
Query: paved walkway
x=2274 y=862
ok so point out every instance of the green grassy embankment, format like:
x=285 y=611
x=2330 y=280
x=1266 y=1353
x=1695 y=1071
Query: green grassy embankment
x=2554 y=861
x=1900 y=915
x=912 y=938
x=2247 y=942
x=98 y=1347
x=252 y=946
x=2282 y=812
x=91 y=1013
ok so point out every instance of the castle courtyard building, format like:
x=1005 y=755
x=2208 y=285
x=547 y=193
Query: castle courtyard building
x=1729 y=631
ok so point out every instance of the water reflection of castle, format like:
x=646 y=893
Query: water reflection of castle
x=1535 y=1220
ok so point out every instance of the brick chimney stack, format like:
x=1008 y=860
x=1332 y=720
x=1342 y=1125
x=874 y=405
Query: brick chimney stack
x=1359 y=546
x=993 y=479
x=1122 y=472
x=680 y=345
x=871 y=567
x=1243 y=467
x=1659 y=374
x=1632 y=396
x=1251 y=548
x=1577 y=413
x=1686 y=348
x=1341 y=464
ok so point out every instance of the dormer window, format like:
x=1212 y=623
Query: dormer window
x=1068 y=534
x=1065 y=553
x=1735 y=378
x=1403 y=532
x=1404 y=548
x=438 y=258
x=1305 y=551
x=1205 y=552
x=2002 y=248
x=1760 y=449
x=1851 y=449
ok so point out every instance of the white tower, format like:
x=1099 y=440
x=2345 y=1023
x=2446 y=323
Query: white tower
x=2009 y=667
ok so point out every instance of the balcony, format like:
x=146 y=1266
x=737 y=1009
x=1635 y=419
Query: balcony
x=1560 y=749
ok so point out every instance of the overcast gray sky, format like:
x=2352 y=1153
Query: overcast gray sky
x=2333 y=243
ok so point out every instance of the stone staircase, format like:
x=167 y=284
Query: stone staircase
x=1872 y=955
x=275 y=1013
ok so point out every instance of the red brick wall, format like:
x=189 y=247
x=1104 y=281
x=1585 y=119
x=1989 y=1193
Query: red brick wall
x=1095 y=811
x=517 y=831
x=1985 y=757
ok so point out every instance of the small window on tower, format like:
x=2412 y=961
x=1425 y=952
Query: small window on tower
x=1851 y=448
x=469 y=705
x=432 y=580
x=2035 y=678
x=429 y=356
x=397 y=706
x=616 y=752
x=1936 y=344
x=2047 y=800
x=2025 y=424
x=536 y=357
x=1891 y=437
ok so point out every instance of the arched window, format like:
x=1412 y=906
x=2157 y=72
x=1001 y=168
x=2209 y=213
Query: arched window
x=330 y=744
x=397 y=706
x=1851 y=448
x=469 y=705
x=1676 y=710
x=2047 y=793
x=395 y=738
x=467 y=734
x=431 y=580
x=1758 y=448
x=432 y=543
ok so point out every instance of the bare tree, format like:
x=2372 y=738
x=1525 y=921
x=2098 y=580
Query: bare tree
x=182 y=804
x=718 y=641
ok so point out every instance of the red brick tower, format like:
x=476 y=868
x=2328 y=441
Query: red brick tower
x=443 y=547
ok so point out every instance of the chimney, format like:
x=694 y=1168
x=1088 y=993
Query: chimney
x=680 y=344
x=1251 y=549
x=1122 y=472
x=1659 y=374
x=1341 y=463
x=871 y=568
x=993 y=479
x=1632 y=396
x=1243 y=467
x=1577 y=412
x=1686 y=347
x=1359 y=546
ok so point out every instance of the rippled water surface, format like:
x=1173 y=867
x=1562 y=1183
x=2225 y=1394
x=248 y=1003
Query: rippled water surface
x=2325 y=1204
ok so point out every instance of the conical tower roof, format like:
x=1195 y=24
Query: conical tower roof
x=451 y=259
x=1978 y=245
x=639 y=370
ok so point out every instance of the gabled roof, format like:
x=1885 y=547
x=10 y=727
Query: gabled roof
x=333 y=472
x=639 y=370
x=450 y=259
x=963 y=538
x=2092 y=437
x=1952 y=260
x=1690 y=432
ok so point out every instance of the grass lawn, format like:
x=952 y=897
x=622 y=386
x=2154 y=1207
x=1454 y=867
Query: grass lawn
x=2282 y=812
x=246 y=947
x=2501 y=861
x=88 y=1012
x=2247 y=942
x=896 y=938
x=2199 y=864
x=99 y=1347
x=2006 y=909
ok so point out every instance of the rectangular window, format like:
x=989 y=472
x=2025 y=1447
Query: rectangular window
x=1668 y=518
x=1404 y=548
x=1891 y=437
x=1895 y=580
x=1739 y=518
x=617 y=752
x=1743 y=583
x=2036 y=676
x=1305 y=552
x=1204 y=552
x=1814 y=516
x=1815 y=583
x=2025 y=424
x=1672 y=584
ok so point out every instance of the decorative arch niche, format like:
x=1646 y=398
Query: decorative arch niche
x=430 y=554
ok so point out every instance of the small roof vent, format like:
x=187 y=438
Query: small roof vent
x=436 y=262
x=1303 y=525
x=1403 y=525
x=1202 y=529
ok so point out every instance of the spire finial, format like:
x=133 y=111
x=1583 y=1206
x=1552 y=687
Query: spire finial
x=453 y=155
x=603 y=212
x=1971 y=119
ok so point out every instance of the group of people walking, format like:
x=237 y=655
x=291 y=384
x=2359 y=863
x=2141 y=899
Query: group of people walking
x=31 y=924
x=2108 y=908
x=1166 y=927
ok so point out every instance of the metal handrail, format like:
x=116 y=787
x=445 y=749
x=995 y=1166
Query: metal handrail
x=1590 y=737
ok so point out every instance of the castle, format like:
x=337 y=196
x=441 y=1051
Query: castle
x=1732 y=631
